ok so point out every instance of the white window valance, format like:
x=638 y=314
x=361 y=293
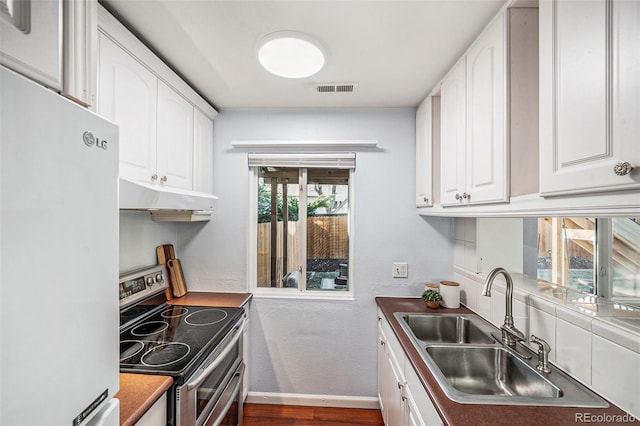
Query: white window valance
x=345 y=160
x=320 y=144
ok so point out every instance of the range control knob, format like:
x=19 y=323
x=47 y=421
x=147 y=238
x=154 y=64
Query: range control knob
x=159 y=278
x=150 y=281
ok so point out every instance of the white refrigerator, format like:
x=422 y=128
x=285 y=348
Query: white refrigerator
x=59 y=347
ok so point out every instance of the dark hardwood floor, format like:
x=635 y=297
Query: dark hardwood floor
x=285 y=415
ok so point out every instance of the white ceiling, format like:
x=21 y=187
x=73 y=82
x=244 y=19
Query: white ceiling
x=396 y=51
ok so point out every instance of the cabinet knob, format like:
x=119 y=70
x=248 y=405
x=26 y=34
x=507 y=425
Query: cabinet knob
x=466 y=196
x=458 y=196
x=622 y=168
x=154 y=178
x=425 y=199
x=163 y=179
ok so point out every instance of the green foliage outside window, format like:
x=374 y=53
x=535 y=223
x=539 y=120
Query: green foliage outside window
x=264 y=205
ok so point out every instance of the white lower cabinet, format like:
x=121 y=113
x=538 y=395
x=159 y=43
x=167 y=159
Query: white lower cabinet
x=420 y=408
x=245 y=353
x=156 y=415
x=403 y=399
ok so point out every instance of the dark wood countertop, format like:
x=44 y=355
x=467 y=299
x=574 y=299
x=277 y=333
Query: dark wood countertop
x=138 y=392
x=453 y=413
x=201 y=298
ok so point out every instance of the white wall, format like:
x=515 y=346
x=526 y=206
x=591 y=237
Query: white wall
x=321 y=347
x=139 y=237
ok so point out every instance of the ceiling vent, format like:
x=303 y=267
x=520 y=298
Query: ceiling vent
x=336 y=87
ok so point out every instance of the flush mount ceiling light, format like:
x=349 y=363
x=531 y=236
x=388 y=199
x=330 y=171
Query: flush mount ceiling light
x=290 y=55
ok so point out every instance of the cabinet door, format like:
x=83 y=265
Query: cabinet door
x=486 y=143
x=31 y=39
x=396 y=408
x=127 y=95
x=202 y=152
x=175 y=138
x=156 y=415
x=626 y=92
x=383 y=389
x=424 y=168
x=589 y=95
x=421 y=410
x=412 y=412
x=452 y=136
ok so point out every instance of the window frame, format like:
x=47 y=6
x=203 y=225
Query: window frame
x=604 y=262
x=301 y=292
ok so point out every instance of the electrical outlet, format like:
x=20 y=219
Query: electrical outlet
x=400 y=270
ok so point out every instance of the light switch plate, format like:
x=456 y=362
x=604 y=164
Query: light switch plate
x=400 y=270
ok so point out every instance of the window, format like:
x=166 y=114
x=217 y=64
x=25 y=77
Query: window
x=624 y=245
x=566 y=252
x=302 y=227
x=595 y=255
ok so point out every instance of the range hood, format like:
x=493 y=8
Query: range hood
x=165 y=202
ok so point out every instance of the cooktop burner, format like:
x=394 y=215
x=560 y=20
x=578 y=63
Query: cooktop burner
x=174 y=311
x=171 y=339
x=129 y=348
x=206 y=317
x=149 y=328
x=165 y=354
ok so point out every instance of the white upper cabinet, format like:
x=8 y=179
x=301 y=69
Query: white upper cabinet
x=52 y=42
x=175 y=138
x=166 y=129
x=31 y=40
x=589 y=96
x=486 y=144
x=128 y=96
x=202 y=152
x=474 y=162
x=452 y=136
x=424 y=143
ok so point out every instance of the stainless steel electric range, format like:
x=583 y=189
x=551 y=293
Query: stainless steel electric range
x=199 y=346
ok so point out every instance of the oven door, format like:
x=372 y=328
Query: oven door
x=207 y=396
x=228 y=410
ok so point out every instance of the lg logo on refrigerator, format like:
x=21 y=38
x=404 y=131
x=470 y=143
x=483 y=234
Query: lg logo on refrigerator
x=90 y=140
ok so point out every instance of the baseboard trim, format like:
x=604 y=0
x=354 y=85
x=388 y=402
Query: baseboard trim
x=312 y=400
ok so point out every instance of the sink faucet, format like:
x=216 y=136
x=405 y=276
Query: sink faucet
x=510 y=334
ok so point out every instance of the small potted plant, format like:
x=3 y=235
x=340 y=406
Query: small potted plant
x=432 y=298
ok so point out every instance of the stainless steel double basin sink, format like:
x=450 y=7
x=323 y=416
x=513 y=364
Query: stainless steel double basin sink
x=474 y=367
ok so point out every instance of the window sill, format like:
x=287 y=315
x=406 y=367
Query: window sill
x=257 y=294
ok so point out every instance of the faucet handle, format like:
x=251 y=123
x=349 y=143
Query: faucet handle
x=510 y=334
x=543 y=354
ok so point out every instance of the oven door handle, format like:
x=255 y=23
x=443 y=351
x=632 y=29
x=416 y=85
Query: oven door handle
x=237 y=378
x=205 y=373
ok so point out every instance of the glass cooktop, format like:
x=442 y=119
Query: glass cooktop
x=170 y=341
